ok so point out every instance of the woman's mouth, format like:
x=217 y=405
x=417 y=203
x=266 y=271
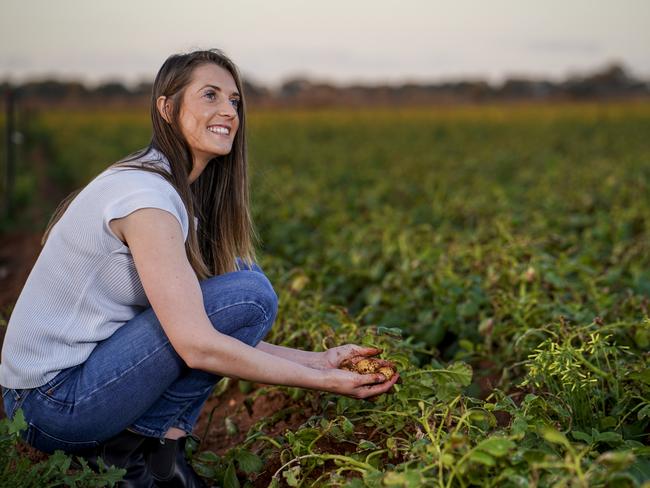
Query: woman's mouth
x=219 y=129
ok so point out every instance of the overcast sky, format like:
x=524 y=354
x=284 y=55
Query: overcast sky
x=335 y=40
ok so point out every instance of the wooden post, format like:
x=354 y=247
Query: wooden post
x=10 y=152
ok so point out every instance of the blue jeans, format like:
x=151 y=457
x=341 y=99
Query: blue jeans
x=135 y=379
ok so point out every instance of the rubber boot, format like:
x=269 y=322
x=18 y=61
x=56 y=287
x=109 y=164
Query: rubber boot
x=125 y=450
x=168 y=466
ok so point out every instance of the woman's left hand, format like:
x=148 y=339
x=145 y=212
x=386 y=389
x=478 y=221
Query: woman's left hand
x=333 y=357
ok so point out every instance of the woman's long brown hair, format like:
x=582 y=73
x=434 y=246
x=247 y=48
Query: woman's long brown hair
x=220 y=196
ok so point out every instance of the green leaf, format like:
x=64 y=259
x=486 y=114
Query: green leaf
x=307 y=434
x=644 y=412
x=394 y=479
x=450 y=382
x=221 y=387
x=248 y=462
x=642 y=376
x=400 y=359
x=245 y=386
x=407 y=479
x=617 y=460
x=581 y=436
x=354 y=483
x=460 y=372
x=391 y=331
x=534 y=455
x=18 y=423
x=291 y=475
x=554 y=436
x=207 y=457
x=482 y=457
x=62 y=461
x=230 y=478
x=640 y=470
x=642 y=338
x=608 y=422
x=364 y=444
x=373 y=478
x=516 y=480
x=348 y=427
x=448 y=459
x=519 y=425
x=496 y=446
x=203 y=469
x=609 y=437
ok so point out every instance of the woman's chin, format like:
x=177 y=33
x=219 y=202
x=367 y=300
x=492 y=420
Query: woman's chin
x=221 y=151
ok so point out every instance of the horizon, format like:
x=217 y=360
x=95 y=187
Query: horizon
x=340 y=43
x=91 y=85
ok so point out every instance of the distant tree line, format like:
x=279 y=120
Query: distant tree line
x=611 y=82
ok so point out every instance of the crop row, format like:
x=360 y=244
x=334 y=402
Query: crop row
x=500 y=256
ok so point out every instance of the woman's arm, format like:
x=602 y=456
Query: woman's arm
x=310 y=359
x=329 y=359
x=156 y=242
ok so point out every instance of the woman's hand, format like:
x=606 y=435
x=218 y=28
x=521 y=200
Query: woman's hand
x=359 y=386
x=332 y=358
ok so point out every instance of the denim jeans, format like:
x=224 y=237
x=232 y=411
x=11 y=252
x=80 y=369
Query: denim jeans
x=135 y=379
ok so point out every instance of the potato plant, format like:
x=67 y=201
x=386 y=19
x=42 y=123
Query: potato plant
x=499 y=256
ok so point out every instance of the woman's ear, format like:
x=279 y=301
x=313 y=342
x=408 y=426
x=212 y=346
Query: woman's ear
x=163 y=106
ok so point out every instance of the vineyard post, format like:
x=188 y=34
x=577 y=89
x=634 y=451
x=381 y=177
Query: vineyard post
x=10 y=152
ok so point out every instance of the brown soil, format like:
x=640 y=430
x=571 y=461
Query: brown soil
x=271 y=406
x=18 y=252
x=488 y=376
x=270 y=403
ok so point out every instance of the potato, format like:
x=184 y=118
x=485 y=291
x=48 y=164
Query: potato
x=364 y=365
x=387 y=372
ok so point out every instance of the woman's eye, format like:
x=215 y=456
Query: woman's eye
x=235 y=102
x=210 y=95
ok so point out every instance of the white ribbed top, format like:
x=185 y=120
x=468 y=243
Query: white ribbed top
x=84 y=285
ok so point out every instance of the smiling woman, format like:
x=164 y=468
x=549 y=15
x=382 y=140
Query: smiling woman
x=146 y=293
x=209 y=119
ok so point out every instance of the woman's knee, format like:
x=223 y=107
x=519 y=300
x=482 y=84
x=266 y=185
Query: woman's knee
x=256 y=288
x=266 y=295
x=271 y=300
x=241 y=300
x=255 y=284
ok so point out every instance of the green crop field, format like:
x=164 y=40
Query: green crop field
x=499 y=255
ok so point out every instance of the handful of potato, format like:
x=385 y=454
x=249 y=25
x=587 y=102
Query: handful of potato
x=366 y=365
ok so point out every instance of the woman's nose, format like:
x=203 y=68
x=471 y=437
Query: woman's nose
x=227 y=109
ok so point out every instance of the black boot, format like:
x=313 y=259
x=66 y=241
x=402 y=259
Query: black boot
x=125 y=450
x=168 y=466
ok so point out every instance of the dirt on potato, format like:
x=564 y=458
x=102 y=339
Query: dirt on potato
x=365 y=365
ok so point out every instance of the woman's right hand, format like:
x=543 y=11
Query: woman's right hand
x=355 y=385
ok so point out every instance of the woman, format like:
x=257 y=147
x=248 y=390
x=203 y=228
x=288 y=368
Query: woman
x=146 y=293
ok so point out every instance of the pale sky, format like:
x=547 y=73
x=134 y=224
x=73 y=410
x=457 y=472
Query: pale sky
x=370 y=41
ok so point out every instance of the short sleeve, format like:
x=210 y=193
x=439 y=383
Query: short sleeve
x=156 y=194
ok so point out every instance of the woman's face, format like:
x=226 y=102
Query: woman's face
x=208 y=115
